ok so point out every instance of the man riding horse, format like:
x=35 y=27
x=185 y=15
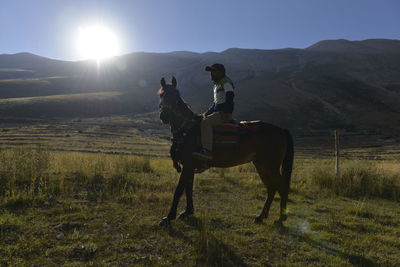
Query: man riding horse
x=268 y=147
x=220 y=112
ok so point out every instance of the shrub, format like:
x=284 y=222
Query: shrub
x=357 y=179
x=79 y=180
x=24 y=169
x=123 y=183
x=96 y=187
x=133 y=164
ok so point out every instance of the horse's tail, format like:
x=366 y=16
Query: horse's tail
x=287 y=164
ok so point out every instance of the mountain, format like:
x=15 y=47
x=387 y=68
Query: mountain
x=333 y=83
x=368 y=46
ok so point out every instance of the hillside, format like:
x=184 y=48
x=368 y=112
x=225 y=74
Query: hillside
x=333 y=83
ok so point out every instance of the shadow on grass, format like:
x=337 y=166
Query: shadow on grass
x=356 y=260
x=209 y=249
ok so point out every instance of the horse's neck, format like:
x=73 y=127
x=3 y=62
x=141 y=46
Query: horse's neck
x=185 y=113
x=184 y=110
x=186 y=107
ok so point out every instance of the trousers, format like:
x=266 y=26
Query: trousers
x=207 y=125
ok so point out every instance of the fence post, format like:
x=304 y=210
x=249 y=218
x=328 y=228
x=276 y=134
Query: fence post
x=337 y=154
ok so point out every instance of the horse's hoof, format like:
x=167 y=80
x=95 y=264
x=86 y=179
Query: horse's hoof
x=184 y=215
x=165 y=222
x=258 y=220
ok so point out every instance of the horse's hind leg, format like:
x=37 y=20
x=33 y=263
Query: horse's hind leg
x=284 y=194
x=270 y=178
x=267 y=206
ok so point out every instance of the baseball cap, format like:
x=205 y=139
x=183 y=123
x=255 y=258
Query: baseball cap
x=215 y=66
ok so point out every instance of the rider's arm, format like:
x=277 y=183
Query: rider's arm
x=228 y=107
x=210 y=110
x=229 y=95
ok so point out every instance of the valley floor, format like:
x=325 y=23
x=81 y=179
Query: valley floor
x=103 y=208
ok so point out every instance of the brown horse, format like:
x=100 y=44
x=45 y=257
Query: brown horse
x=269 y=147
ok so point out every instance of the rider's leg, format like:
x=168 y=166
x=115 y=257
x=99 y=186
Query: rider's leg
x=207 y=125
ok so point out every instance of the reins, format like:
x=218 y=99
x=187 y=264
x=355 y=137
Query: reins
x=180 y=111
x=186 y=118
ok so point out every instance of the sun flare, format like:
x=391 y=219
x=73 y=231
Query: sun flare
x=96 y=42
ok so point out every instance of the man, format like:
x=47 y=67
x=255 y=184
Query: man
x=219 y=112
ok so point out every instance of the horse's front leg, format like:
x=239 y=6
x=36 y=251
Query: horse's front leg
x=189 y=194
x=177 y=195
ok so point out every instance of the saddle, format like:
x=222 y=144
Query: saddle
x=230 y=132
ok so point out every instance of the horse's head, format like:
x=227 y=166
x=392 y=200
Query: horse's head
x=169 y=99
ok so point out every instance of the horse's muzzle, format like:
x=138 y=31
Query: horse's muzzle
x=164 y=117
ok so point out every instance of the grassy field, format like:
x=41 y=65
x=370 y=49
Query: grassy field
x=133 y=135
x=92 y=209
x=91 y=192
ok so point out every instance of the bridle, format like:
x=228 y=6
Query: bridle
x=180 y=112
x=182 y=121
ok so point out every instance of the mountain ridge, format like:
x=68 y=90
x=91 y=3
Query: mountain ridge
x=332 y=83
x=367 y=42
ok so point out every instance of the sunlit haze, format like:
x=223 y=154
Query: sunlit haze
x=96 y=42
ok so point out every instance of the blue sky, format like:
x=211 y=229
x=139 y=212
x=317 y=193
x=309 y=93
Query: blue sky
x=49 y=27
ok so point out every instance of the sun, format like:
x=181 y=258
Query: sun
x=96 y=42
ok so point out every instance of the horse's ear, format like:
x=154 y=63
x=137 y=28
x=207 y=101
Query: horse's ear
x=163 y=83
x=174 y=82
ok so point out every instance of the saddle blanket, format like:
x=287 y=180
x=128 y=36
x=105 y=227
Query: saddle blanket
x=229 y=133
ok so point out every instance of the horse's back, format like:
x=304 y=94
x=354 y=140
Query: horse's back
x=264 y=130
x=257 y=139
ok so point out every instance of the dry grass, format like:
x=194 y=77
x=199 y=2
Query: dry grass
x=103 y=210
x=358 y=178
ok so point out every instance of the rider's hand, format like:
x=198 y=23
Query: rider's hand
x=226 y=116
